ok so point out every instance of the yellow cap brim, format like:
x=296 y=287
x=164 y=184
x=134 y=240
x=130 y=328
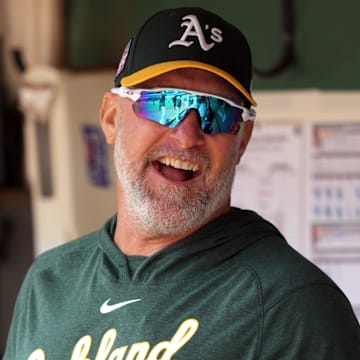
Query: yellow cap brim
x=161 y=68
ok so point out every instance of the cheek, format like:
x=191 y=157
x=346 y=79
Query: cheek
x=225 y=150
x=138 y=136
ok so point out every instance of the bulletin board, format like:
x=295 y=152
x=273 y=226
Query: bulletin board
x=334 y=203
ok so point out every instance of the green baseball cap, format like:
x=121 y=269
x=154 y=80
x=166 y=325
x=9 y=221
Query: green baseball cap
x=187 y=37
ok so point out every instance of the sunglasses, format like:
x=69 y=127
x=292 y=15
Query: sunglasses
x=169 y=107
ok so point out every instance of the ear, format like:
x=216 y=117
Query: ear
x=109 y=116
x=245 y=135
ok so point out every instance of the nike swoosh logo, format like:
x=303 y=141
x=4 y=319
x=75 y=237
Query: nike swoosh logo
x=107 y=308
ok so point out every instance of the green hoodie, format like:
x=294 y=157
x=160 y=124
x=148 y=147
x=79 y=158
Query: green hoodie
x=233 y=290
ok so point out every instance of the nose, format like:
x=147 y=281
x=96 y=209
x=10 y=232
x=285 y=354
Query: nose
x=188 y=133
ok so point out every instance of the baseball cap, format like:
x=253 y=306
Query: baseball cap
x=187 y=37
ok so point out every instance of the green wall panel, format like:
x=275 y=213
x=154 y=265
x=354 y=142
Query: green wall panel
x=326 y=36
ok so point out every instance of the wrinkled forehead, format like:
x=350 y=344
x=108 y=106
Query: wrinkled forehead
x=196 y=80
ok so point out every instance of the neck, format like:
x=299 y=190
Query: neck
x=133 y=240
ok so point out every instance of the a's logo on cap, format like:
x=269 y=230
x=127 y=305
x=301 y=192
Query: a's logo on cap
x=123 y=59
x=193 y=28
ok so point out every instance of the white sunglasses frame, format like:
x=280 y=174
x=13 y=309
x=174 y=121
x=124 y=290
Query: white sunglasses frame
x=135 y=93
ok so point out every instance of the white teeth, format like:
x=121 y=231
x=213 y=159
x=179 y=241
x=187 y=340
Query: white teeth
x=179 y=164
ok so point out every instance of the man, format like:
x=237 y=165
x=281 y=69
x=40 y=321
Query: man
x=178 y=273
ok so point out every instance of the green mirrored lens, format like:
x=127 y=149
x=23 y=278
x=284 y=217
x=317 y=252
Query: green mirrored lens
x=169 y=108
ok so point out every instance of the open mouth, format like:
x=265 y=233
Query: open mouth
x=177 y=170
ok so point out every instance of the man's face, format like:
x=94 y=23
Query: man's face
x=172 y=181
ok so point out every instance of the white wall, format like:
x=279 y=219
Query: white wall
x=35 y=27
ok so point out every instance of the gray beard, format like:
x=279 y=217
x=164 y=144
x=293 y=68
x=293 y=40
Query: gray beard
x=169 y=210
